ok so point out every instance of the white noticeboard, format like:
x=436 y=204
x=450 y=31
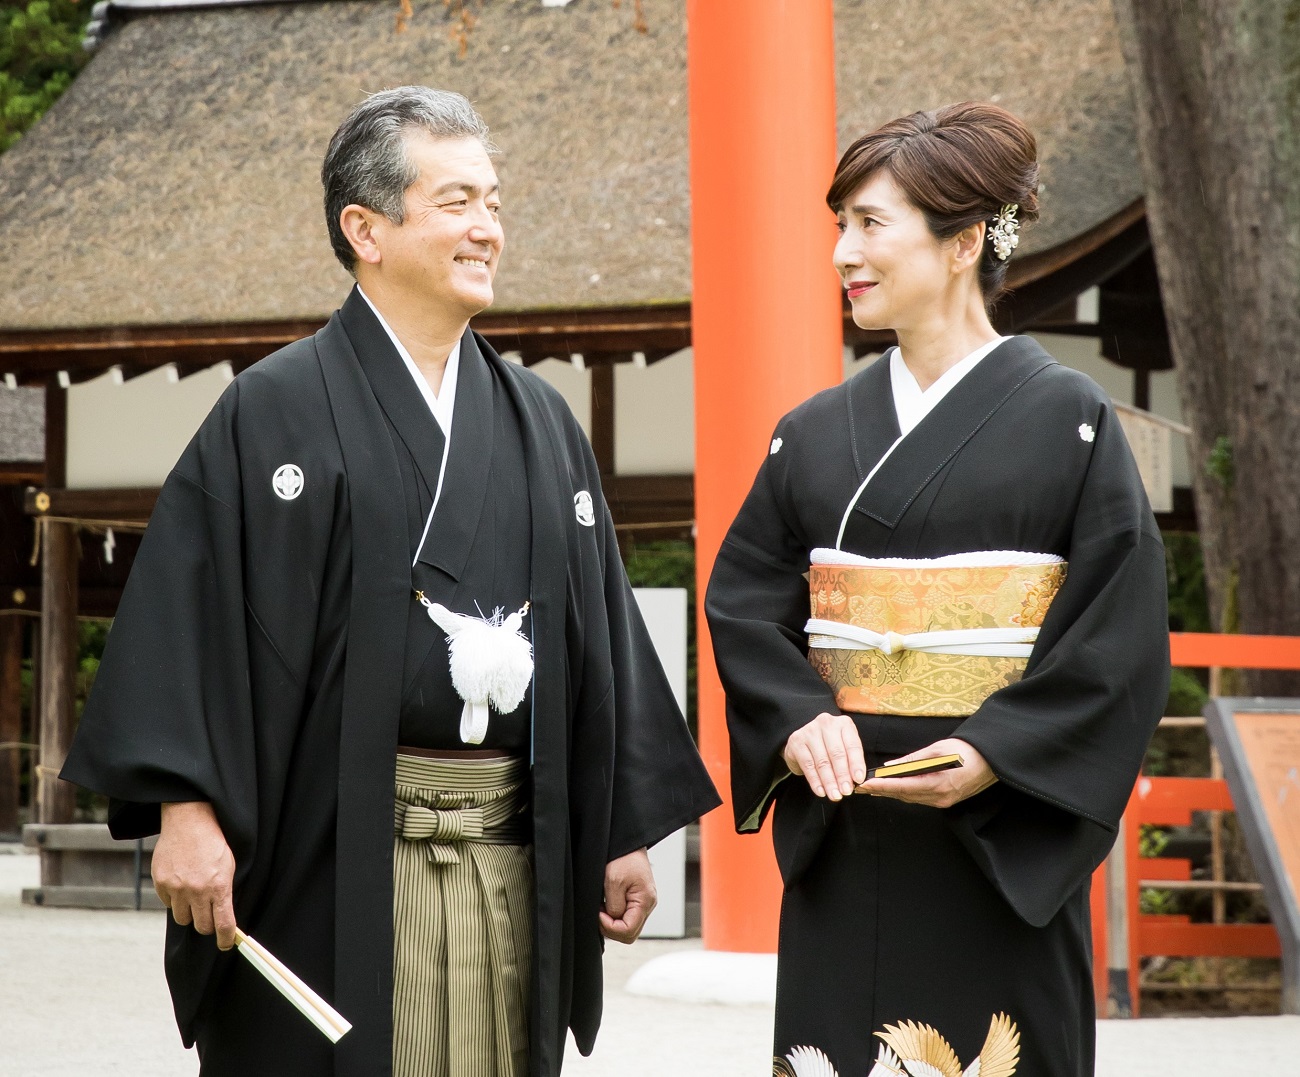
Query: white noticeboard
x=665 y=612
x=1150 y=438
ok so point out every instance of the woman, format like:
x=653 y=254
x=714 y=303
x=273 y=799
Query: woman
x=944 y=917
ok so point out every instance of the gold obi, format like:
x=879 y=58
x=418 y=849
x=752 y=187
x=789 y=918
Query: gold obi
x=926 y=637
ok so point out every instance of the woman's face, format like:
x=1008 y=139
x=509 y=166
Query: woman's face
x=896 y=273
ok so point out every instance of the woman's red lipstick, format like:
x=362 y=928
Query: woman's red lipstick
x=859 y=287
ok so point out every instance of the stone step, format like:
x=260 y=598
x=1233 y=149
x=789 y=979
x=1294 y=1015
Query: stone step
x=91 y=897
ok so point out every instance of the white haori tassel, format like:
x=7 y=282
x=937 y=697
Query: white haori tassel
x=491 y=664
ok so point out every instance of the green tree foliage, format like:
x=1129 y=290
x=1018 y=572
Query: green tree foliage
x=40 y=55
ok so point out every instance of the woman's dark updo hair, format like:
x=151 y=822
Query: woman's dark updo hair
x=958 y=165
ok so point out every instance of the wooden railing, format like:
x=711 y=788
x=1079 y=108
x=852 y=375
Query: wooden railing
x=1122 y=933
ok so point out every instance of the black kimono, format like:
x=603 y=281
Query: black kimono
x=258 y=660
x=895 y=912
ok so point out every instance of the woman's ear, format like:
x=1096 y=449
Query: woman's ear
x=967 y=247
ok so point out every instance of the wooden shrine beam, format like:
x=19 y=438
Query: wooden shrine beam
x=1031 y=268
x=661 y=330
x=18 y=472
x=38 y=357
x=129 y=505
x=650 y=499
x=1020 y=308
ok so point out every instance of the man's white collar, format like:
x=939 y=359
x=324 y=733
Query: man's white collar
x=442 y=403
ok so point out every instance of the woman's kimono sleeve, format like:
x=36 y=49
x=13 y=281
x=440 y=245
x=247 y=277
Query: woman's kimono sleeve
x=1067 y=741
x=757 y=606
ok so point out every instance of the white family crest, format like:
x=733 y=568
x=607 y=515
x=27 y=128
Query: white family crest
x=776 y=447
x=1087 y=433
x=287 y=482
x=584 y=509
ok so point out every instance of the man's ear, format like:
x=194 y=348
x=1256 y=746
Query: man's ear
x=968 y=245
x=358 y=224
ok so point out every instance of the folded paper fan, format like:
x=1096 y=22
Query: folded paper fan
x=319 y=1012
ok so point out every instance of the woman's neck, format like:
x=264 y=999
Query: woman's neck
x=933 y=347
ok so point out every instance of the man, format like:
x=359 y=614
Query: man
x=279 y=685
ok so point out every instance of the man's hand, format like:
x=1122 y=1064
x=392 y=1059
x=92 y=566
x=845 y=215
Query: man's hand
x=828 y=752
x=943 y=788
x=194 y=870
x=630 y=897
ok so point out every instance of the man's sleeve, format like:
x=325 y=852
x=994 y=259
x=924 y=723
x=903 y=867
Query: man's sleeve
x=660 y=783
x=170 y=714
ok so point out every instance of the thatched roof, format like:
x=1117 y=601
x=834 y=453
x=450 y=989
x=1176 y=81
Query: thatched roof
x=177 y=180
x=1055 y=64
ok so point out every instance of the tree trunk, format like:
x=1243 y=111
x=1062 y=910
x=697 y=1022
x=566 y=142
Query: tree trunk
x=1216 y=85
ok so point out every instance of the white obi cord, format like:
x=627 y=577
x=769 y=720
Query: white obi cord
x=984 y=642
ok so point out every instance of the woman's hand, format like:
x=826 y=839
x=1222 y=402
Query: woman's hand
x=943 y=788
x=828 y=752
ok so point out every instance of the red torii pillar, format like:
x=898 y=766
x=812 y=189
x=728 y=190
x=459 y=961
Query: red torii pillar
x=767 y=331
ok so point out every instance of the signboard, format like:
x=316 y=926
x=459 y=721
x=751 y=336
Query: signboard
x=1259 y=743
x=1150 y=438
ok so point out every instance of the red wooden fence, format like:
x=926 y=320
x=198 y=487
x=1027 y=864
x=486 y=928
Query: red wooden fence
x=1171 y=802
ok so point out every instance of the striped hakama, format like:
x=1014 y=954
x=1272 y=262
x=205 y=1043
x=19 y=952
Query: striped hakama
x=462 y=917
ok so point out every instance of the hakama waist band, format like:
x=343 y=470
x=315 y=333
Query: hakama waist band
x=446 y=802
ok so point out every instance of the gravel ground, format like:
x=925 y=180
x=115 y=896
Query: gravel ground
x=82 y=995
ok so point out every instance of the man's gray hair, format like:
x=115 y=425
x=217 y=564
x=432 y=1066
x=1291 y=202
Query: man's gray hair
x=367 y=163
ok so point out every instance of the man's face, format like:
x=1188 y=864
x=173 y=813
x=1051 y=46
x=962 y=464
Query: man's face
x=448 y=247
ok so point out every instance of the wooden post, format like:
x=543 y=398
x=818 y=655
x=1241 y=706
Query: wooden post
x=1142 y=388
x=602 y=416
x=55 y=799
x=1120 y=1000
x=59 y=558
x=11 y=719
x=1219 y=899
x=766 y=327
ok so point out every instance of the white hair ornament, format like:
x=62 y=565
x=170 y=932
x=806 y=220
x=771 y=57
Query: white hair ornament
x=1004 y=232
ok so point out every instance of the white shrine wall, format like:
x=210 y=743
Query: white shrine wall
x=573 y=384
x=654 y=416
x=132 y=434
